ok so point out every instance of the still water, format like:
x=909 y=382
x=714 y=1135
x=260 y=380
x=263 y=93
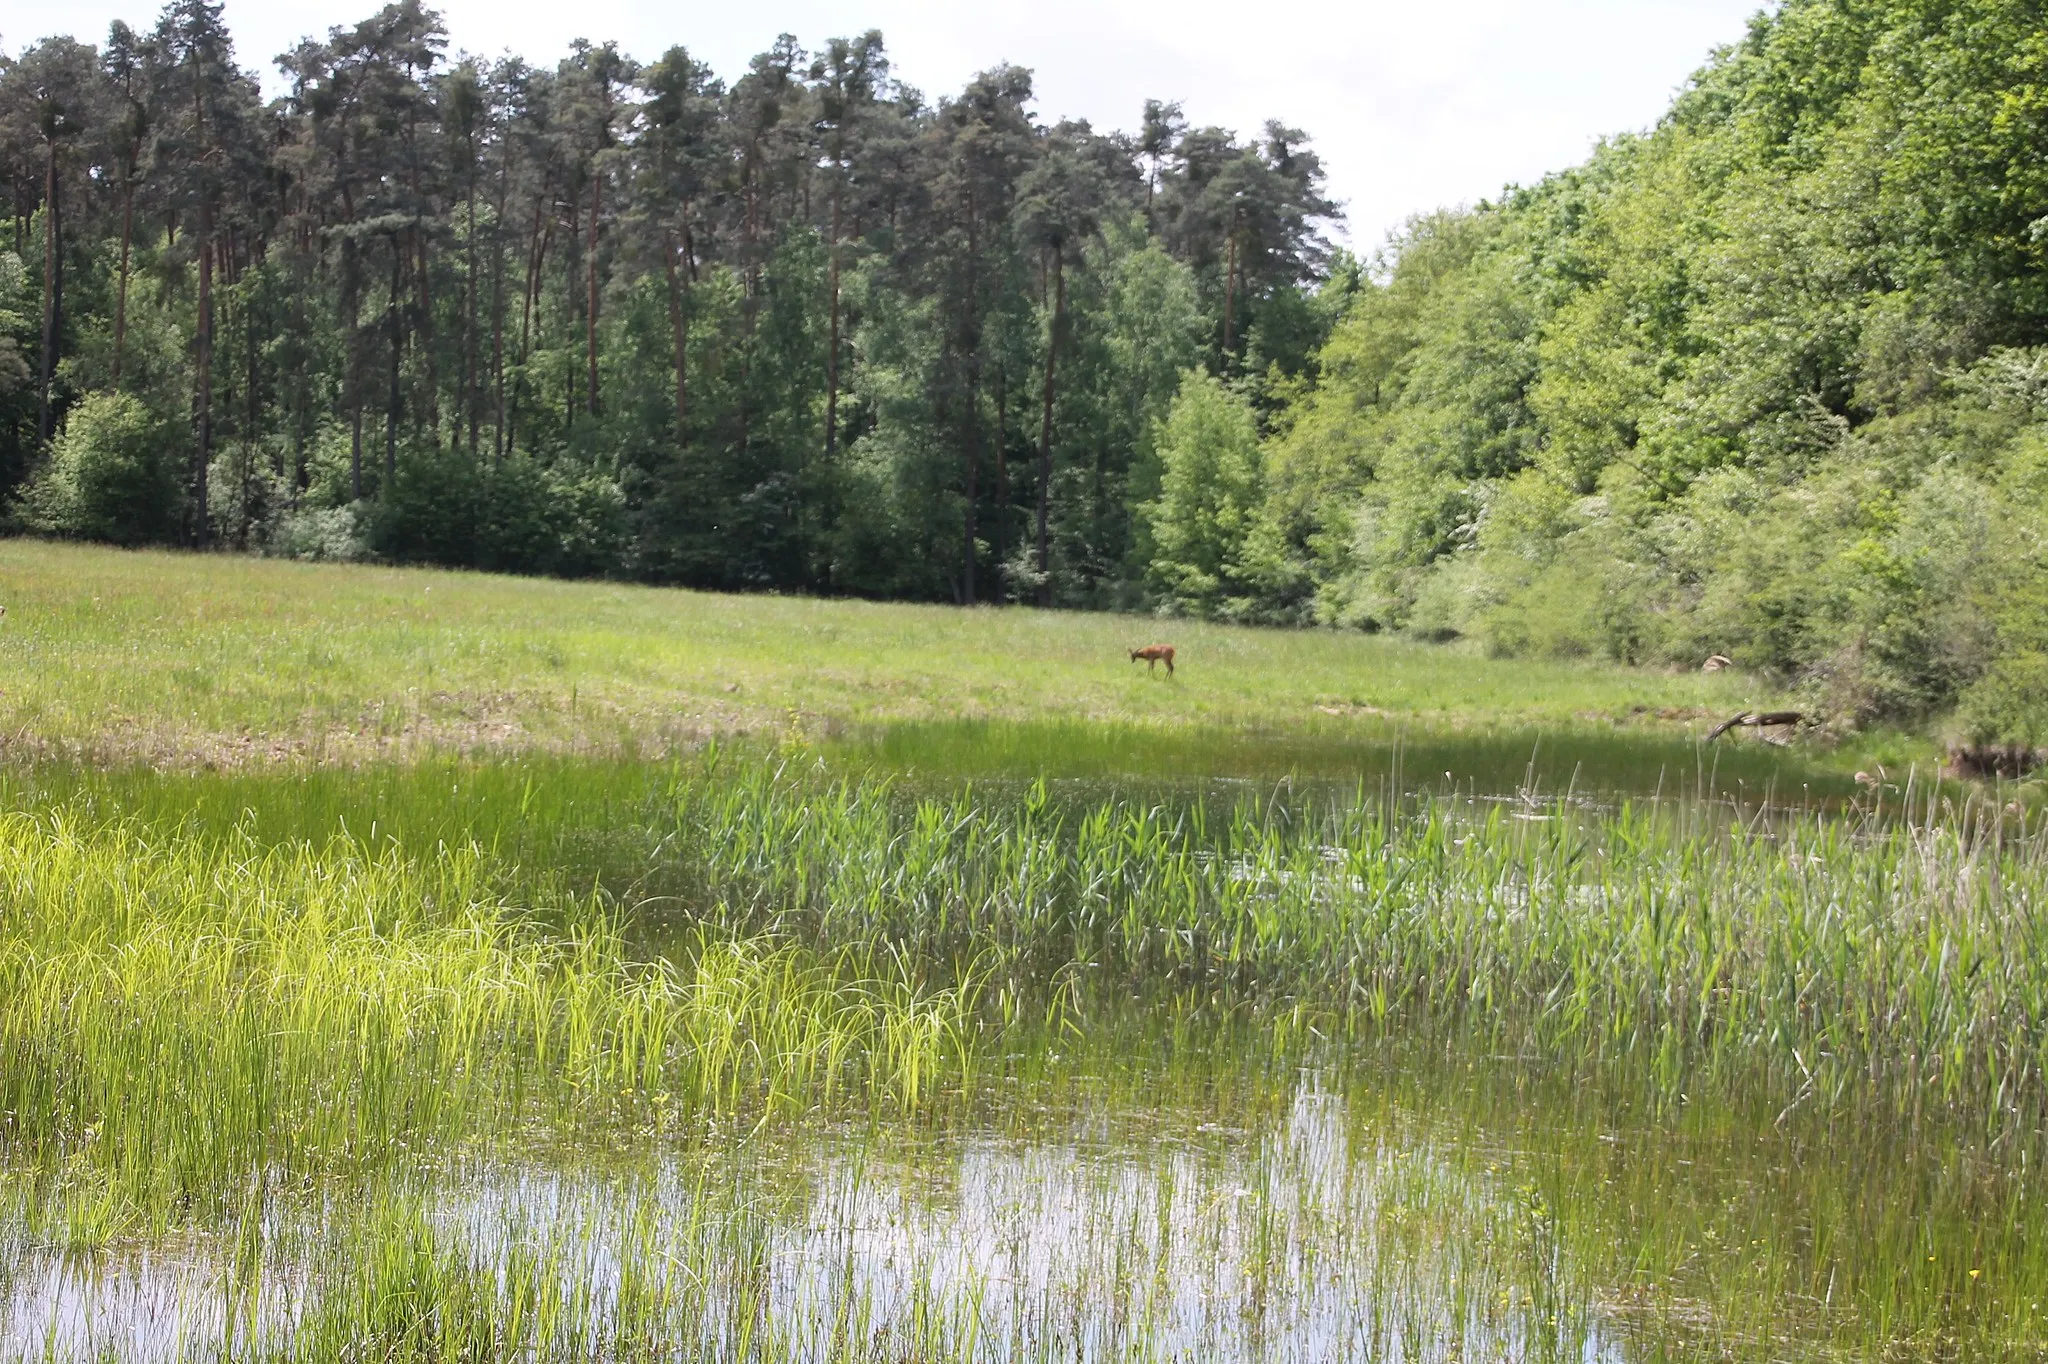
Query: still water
x=1190 y=1199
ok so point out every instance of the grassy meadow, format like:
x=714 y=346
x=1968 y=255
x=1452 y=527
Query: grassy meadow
x=418 y=966
x=152 y=656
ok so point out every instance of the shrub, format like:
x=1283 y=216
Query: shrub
x=514 y=516
x=114 y=474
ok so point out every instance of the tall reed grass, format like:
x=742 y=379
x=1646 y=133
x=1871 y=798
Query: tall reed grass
x=175 y=1015
x=1832 y=959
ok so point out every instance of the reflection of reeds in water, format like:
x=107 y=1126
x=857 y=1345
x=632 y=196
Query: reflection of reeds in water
x=1291 y=1244
x=1395 y=1218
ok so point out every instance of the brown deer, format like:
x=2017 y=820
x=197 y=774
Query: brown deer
x=1154 y=655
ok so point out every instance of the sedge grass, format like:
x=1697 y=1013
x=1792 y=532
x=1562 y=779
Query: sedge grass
x=173 y=1017
x=1825 y=960
x=1497 y=758
x=1394 y=1208
x=1830 y=960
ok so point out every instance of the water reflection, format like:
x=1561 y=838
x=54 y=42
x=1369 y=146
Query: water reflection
x=1306 y=1218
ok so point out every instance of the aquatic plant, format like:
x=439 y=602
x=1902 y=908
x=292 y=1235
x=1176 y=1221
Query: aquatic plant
x=177 y=1014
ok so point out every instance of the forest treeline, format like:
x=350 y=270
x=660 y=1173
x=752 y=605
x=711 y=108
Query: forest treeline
x=806 y=331
x=1768 y=380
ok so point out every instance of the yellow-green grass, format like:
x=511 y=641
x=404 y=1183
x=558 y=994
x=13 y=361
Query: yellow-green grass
x=186 y=658
x=175 y=1012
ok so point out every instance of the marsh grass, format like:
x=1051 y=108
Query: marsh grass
x=1828 y=960
x=1832 y=961
x=174 y=1017
x=1132 y=1207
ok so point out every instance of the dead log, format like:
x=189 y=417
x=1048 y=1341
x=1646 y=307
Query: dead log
x=1753 y=719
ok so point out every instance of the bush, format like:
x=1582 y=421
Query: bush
x=115 y=474
x=2009 y=704
x=326 y=533
x=515 y=516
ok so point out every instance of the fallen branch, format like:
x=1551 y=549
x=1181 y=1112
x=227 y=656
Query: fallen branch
x=1753 y=719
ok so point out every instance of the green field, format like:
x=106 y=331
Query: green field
x=908 y=1004
x=166 y=657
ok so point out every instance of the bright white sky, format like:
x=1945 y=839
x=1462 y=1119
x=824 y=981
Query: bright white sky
x=1413 y=105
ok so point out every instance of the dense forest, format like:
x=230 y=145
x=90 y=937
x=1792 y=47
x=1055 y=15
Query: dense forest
x=806 y=332
x=1768 y=380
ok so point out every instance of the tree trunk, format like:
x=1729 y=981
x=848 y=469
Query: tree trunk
x=53 y=288
x=679 y=326
x=536 y=255
x=1052 y=350
x=1229 y=294
x=574 y=302
x=469 y=355
x=251 y=378
x=202 y=454
x=971 y=445
x=832 y=353
x=590 y=305
x=425 y=329
x=498 y=321
x=1002 y=482
x=392 y=399
x=973 y=452
x=352 y=373
x=121 y=288
x=251 y=400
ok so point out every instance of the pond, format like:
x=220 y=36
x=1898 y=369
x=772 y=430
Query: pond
x=1191 y=1201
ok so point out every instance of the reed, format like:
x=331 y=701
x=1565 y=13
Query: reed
x=1820 y=959
x=1897 y=956
x=1370 y=1213
x=176 y=1015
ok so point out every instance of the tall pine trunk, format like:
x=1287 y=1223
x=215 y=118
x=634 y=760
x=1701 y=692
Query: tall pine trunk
x=53 y=288
x=1052 y=350
x=679 y=326
x=121 y=287
x=590 y=303
x=536 y=254
x=469 y=338
x=573 y=302
x=392 y=399
x=498 y=316
x=832 y=353
x=971 y=446
x=1003 y=508
x=202 y=455
x=352 y=373
x=1229 y=293
x=424 y=329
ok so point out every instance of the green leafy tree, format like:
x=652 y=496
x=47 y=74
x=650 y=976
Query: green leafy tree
x=1209 y=492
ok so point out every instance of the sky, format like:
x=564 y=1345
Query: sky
x=1413 y=106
